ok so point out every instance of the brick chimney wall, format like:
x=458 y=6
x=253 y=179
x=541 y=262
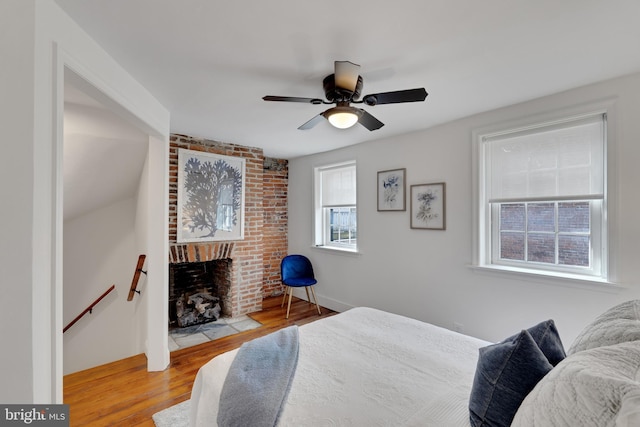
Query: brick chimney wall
x=275 y=186
x=255 y=266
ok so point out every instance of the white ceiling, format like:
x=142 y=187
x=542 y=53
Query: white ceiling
x=210 y=62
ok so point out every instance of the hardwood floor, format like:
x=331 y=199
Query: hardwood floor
x=123 y=393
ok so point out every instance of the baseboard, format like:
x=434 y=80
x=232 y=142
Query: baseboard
x=329 y=303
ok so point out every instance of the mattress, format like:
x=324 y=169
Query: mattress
x=365 y=367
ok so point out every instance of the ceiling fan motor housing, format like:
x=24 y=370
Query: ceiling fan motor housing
x=336 y=94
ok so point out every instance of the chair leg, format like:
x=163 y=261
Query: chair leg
x=289 y=305
x=284 y=296
x=306 y=288
x=315 y=299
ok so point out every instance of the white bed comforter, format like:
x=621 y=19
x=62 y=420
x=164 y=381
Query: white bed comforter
x=365 y=367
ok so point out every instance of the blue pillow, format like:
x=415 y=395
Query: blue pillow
x=505 y=374
x=546 y=335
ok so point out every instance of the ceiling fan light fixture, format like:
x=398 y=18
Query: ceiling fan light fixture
x=342 y=117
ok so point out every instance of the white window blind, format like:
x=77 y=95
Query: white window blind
x=339 y=186
x=561 y=161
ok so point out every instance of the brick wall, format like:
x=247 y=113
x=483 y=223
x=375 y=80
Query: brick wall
x=274 y=186
x=253 y=266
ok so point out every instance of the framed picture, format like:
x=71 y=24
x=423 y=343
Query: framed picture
x=392 y=190
x=210 y=197
x=428 y=206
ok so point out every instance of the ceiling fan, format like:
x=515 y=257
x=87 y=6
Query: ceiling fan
x=343 y=88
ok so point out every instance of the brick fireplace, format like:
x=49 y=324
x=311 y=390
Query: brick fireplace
x=254 y=262
x=196 y=290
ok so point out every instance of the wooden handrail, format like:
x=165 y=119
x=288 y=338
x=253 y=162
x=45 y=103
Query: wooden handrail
x=88 y=309
x=136 y=277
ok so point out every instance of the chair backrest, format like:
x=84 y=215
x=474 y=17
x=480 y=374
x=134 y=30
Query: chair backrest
x=296 y=267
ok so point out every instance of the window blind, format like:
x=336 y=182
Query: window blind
x=339 y=186
x=562 y=161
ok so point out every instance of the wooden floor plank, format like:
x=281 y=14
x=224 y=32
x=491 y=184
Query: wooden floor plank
x=123 y=393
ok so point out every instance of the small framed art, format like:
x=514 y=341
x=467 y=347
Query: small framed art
x=392 y=190
x=428 y=206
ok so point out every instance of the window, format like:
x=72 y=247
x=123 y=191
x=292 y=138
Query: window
x=336 y=213
x=543 y=198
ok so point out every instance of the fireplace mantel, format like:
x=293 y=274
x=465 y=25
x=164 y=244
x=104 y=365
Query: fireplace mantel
x=200 y=252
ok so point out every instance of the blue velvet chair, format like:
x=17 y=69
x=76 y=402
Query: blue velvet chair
x=296 y=272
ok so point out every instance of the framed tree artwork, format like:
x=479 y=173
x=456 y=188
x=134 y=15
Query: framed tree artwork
x=428 y=206
x=210 y=197
x=392 y=190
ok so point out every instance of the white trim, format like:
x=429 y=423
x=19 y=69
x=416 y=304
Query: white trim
x=578 y=197
x=140 y=108
x=538 y=277
x=337 y=249
x=58 y=219
x=589 y=117
x=157 y=289
x=330 y=303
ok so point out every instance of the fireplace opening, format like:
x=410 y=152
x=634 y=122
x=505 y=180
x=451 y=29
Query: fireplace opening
x=198 y=291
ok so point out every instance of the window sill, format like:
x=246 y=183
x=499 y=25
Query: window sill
x=552 y=278
x=338 y=250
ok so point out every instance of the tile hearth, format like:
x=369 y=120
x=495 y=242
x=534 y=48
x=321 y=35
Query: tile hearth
x=197 y=334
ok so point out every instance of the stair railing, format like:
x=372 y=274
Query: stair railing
x=88 y=309
x=136 y=277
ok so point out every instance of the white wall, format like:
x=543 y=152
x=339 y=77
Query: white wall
x=155 y=187
x=37 y=41
x=426 y=274
x=100 y=250
x=16 y=226
x=141 y=238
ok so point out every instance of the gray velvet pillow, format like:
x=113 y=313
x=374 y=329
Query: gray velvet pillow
x=617 y=325
x=505 y=374
x=546 y=335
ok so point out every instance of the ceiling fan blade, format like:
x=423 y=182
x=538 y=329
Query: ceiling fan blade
x=368 y=121
x=311 y=123
x=346 y=75
x=395 y=97
x=292 y=99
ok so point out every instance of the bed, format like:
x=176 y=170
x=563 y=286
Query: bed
x=367 y=367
